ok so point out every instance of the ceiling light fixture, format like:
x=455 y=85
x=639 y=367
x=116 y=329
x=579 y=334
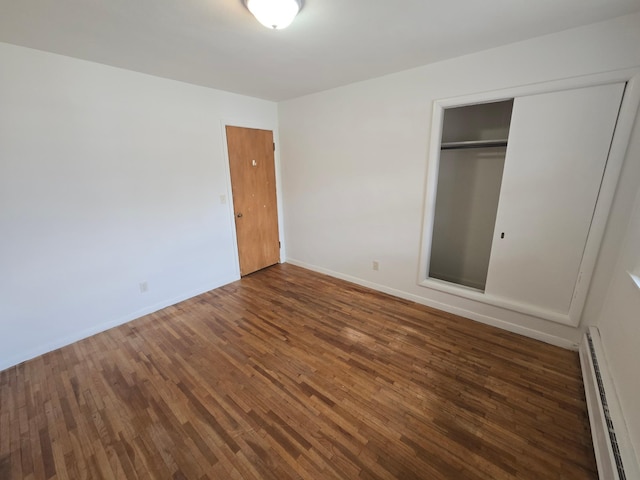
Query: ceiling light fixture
x=275 y=14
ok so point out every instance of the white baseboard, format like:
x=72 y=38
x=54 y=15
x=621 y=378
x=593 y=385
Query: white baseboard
x=94 y=329
x=495 y=322
x=608 y=427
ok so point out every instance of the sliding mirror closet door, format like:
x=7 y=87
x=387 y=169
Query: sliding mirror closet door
x=472 y=157
x=558 y=149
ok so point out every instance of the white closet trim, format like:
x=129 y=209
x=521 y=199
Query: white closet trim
x=628 y=110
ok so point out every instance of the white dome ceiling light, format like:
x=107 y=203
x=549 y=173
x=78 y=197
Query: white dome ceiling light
x=275 y=14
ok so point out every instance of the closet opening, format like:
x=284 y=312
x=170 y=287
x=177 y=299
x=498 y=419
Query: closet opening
x=472 y=155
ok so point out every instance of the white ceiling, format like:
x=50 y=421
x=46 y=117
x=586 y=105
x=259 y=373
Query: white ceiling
x=218 y=43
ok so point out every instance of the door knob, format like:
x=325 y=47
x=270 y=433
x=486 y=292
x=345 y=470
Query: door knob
x=239 y=215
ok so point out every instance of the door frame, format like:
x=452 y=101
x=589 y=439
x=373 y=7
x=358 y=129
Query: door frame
x=617 y=153
x=276 y=157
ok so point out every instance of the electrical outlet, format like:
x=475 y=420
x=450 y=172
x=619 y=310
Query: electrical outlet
x=144 y=287
x=376 y=265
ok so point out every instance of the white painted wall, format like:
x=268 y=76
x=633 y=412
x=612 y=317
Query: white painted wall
x=108 y=178
x=619 y=321
x=354 y=165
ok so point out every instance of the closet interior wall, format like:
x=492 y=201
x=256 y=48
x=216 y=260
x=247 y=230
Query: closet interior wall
x=468 y=191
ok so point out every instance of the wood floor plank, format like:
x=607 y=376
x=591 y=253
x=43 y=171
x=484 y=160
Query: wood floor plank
x=289 y=374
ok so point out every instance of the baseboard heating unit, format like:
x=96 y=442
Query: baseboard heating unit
x=614 y=454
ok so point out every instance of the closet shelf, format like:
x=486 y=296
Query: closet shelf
x=474 y=144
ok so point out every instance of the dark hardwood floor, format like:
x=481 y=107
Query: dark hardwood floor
x=289 y=374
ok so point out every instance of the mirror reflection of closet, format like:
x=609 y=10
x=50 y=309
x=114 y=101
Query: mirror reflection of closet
x=473 y=149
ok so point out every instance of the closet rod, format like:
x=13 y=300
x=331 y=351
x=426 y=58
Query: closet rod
x=473 y=144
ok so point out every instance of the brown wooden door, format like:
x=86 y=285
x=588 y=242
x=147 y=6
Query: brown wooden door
x=253 y=183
